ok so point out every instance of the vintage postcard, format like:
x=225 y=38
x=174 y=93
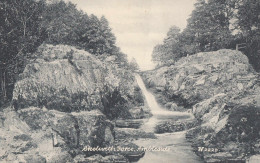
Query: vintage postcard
x=118 y=81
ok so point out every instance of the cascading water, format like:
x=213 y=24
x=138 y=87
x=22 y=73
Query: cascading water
x=155 y=108
x=158 y=112
x=180 y=150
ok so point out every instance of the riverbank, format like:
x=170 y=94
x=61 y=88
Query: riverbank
x=222 y=90
x=67 y=99
x=179 y=150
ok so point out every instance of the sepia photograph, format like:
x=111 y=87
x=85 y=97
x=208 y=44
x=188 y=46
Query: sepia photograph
x=129 y=81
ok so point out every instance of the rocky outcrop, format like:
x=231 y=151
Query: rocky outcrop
x=132 y=134
x=51 y=135
x=41 y=135
x=129 y=123
x=222 y=89
x=223 y=71
x=63 y=102
x=67 y=79
x=85 y=128
x=175 y=126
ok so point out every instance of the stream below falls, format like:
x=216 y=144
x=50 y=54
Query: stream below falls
x=179 y=150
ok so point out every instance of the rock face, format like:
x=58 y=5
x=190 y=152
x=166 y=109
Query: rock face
x=223 y=91
x=61 y=104
x=86 y=128
x=50 y=135
x=67 y=79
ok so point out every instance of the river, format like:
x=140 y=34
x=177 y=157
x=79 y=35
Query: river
x=179 y=150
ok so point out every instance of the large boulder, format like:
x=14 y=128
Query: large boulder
x=62 y=102
x=85 y=128
x=208 y=82
x=50 y=135
x=67 y=79
x=204 y=75
x=222 y=89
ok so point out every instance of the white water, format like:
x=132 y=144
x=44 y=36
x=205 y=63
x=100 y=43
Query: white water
x=158 y=112
x=155 y=108
x=180 y=150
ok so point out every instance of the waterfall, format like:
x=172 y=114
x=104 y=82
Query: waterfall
x=156 y=109
x=151 y=101
x=180 y=149
x=159 y=113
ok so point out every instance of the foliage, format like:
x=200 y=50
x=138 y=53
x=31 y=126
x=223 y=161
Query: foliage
x=243 y=125
x=25 y=25
x=60 y=99
x=65 y=24
x=98 y=38
x=169 y=50
x=248 y=26
x=138 y=96
x=215 y=25
x=133 y=65
x=113 y=102
x=209 y=25
x=20 y=34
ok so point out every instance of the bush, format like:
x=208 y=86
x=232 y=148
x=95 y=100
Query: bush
x=138 y=96
x=244 y=124
x=115 y=105
x=58 y=99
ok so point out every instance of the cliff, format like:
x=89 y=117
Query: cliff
x=222 y=90
x=65 y=100
x=67 y=79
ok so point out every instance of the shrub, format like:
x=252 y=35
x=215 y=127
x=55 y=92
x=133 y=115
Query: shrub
x=244 y=124
x=115 y=105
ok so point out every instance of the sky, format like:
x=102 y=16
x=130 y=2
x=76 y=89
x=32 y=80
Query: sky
x=139 y=25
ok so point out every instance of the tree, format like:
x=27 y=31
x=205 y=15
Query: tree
x=171 y=43
x=90 y=39
x=187 y=43
x=172 y=35
x=221 y=15
x=170 y=49
x=20 y=35
x=98 y=37
x=160 y=55
x=133 y=65
x=63 y=23
x=108 y=36
x=208 y=29
x=209 y=25
x=248 y=15
x=248 y=25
